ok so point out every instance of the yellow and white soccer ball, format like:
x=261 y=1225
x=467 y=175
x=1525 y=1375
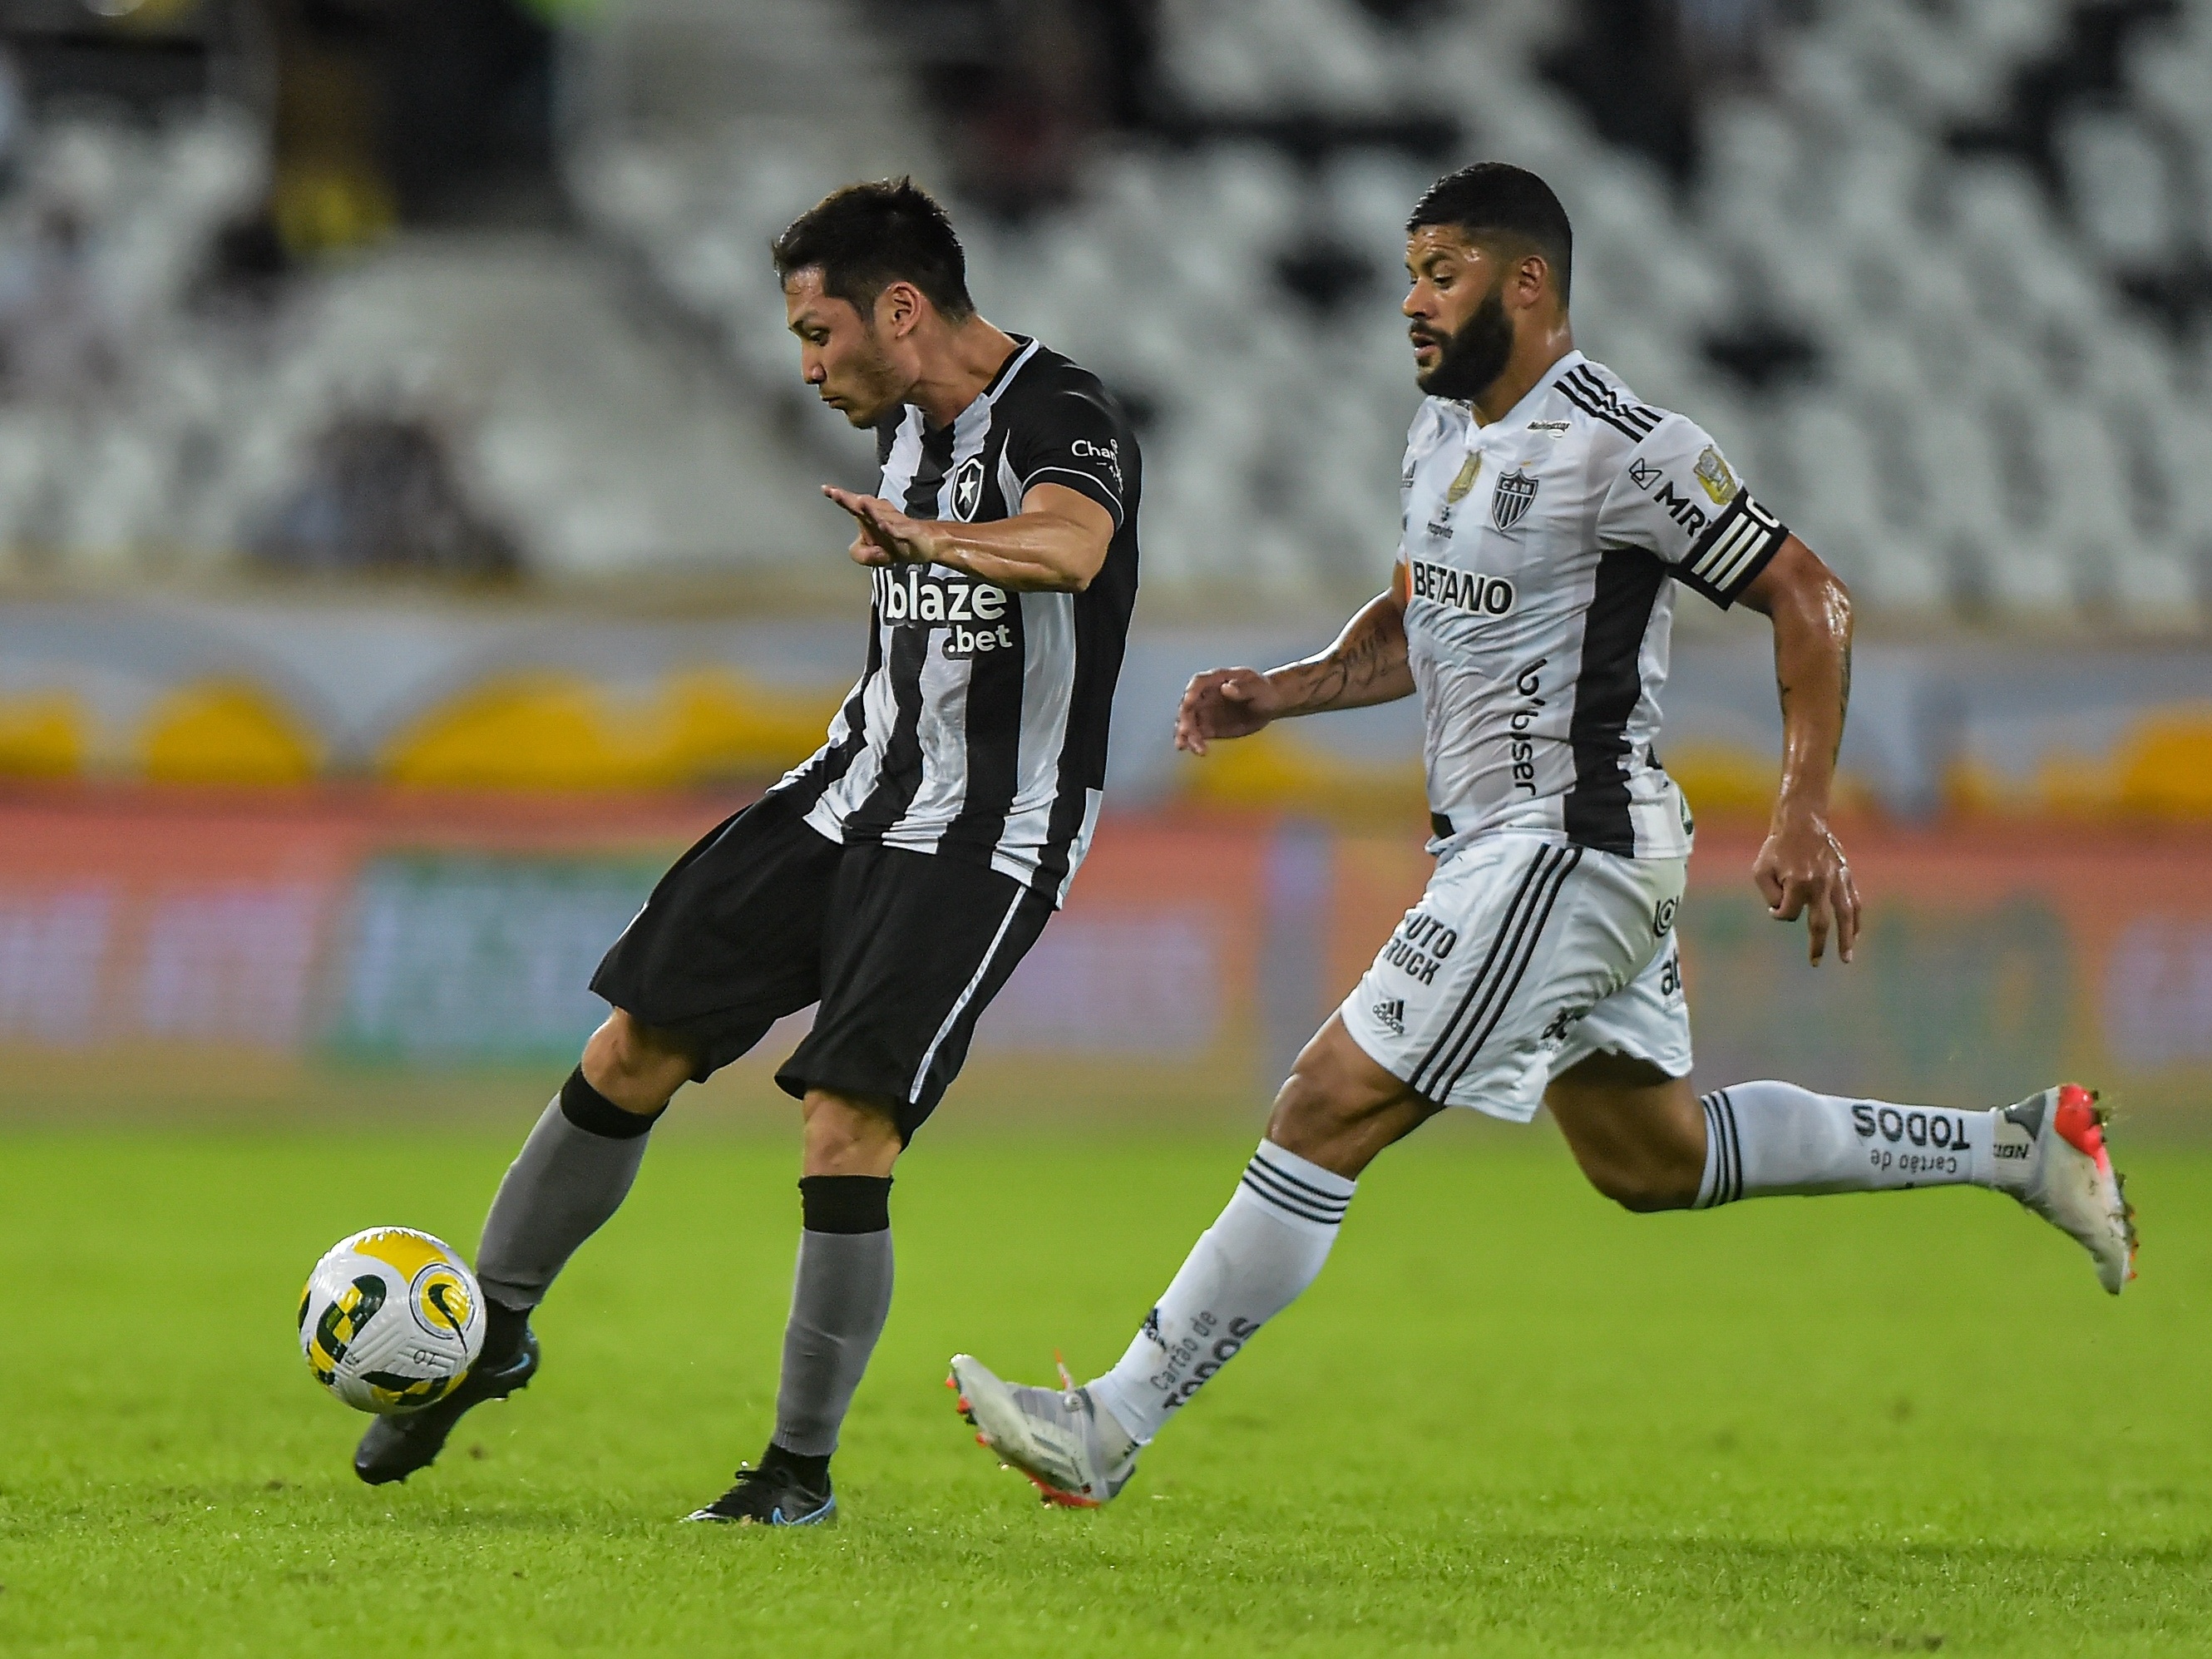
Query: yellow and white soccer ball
x=391 y=1321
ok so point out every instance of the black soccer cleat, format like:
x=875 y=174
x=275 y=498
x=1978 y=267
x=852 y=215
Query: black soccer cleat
x=395 y=1446
x=779 y=1493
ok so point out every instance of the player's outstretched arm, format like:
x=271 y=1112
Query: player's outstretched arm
x=1366 y=665
x=1802 y=870
x=1055 y=545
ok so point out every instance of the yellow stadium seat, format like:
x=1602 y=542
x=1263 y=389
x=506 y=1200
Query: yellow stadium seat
x=561 y=732
x=42 y=736
x=1274 y=768
x=2163 y=768
x=227 y=731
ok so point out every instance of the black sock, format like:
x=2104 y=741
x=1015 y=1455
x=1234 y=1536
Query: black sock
x=812 y=1473
x=503 y=1330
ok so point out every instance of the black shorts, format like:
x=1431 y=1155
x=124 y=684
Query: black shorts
x=902 y=949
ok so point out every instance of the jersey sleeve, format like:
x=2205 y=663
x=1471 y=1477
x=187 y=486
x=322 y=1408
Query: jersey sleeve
x=1077 y=439
x=1676 y=496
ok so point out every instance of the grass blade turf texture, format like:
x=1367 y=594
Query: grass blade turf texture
x=1508 y=1418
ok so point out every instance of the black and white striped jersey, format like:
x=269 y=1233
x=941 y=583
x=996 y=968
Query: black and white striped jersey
x=1539 y=552
x=978 y=729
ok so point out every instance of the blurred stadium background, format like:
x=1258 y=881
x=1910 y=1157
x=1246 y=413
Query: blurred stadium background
x=409 y=534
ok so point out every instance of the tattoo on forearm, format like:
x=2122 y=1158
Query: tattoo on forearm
x=1352 y=667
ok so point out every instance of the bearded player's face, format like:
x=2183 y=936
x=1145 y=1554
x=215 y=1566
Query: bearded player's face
x=840 y=352
x=1456 y=311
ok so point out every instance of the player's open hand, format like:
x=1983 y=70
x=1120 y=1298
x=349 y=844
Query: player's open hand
x=887 y=536
x=1801 y=870
x=1224 y=702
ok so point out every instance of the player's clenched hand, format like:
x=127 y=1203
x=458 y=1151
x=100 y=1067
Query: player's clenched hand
x=887 y=536
x=1224 y=702
x=1801 y=870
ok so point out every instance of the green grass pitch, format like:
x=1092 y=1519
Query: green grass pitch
x=1508 y=1420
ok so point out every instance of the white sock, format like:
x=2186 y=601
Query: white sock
x=1763 y=1138
x=1252 y=1263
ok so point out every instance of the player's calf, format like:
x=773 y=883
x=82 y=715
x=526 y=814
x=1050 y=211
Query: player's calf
x=1768 y=1139
x=1637 y=1135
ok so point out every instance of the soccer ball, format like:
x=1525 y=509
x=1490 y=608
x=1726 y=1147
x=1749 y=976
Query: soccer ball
x=391 y=1320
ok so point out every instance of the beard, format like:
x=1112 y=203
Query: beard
x=1473 y=356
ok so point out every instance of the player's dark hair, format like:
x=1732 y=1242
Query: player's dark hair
x=1497 y=201
x=867 y=236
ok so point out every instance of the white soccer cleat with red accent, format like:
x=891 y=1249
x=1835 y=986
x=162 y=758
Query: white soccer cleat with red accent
x=1072 y=1450
x=2056 y=1141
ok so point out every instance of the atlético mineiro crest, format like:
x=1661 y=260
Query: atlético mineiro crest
x=1509 y=501
x=968 y=487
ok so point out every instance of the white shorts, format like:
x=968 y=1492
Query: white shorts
x=1522 y=958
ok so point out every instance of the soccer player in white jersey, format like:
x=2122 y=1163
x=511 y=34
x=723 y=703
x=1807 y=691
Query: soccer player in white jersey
x=1549 y=518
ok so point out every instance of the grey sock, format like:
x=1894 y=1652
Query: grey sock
x=839 y=1298
x=563 y=1186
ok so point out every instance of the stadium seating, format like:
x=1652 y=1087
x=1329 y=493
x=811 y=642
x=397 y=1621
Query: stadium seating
x=158 y=420
x=1937 y=278
x=1978 y=424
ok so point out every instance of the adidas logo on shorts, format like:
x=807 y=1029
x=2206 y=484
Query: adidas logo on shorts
x=1391 y=1012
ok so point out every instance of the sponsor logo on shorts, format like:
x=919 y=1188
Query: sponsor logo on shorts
x=1663 y=917
x=1562 y=1022
x=1420 y=947
x=1390 y=1014
x=971 y=613
x=1463 y=590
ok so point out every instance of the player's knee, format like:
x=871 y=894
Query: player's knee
x=848 y=1136
x=634 y=1065
x=1338 y=1109
x=1306 y=1115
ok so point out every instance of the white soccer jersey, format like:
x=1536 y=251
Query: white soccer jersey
x=1538 y=550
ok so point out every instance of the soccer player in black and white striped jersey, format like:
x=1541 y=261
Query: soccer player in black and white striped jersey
x=898 y=875
x=1549 y=516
